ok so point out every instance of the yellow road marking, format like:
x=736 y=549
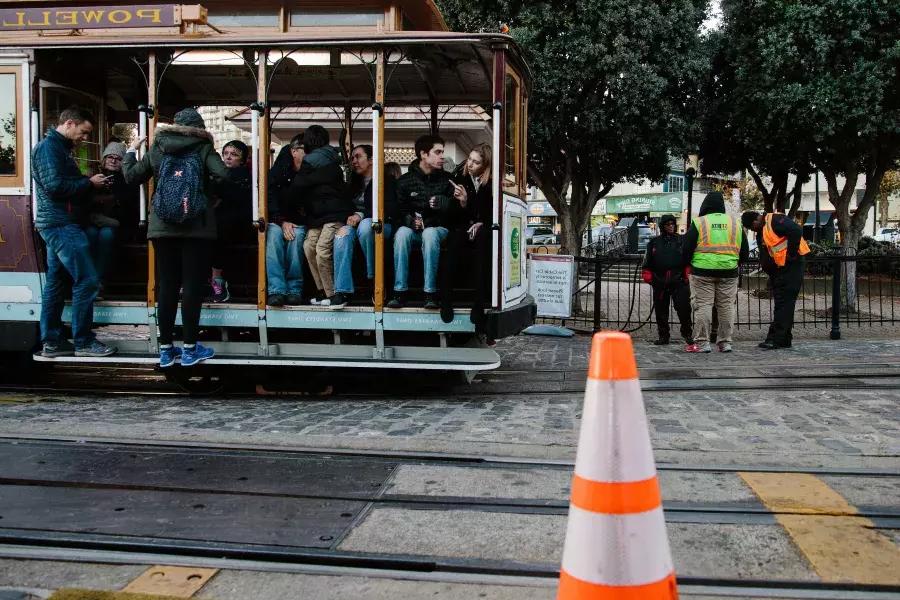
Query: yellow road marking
x=840 y=546
x=178 y=582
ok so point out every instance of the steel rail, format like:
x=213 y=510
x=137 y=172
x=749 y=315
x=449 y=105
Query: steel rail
x=284 y=559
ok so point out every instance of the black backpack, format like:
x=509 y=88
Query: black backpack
x=179 y=193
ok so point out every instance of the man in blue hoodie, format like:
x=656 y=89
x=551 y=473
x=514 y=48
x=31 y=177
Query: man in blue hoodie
x=63 y=196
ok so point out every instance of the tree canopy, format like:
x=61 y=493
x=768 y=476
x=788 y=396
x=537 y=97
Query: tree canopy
x=615 y=91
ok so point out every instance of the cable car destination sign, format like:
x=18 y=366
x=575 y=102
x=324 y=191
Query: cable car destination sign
x=91 y=17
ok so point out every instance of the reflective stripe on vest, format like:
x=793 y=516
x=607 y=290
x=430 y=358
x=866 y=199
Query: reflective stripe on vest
x=719 y=242
x=777 y=245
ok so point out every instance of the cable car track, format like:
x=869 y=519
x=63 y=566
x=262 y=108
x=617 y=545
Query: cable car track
x=98 y=545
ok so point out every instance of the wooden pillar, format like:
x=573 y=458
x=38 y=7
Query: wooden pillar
x=379 y=157
x=263 y=178
x=151 y=134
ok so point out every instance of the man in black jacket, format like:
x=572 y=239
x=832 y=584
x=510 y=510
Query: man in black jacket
x=785 y=245
x=424 y=196
x=663 y=270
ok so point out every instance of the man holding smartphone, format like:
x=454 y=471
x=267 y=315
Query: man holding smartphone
x=424 y=197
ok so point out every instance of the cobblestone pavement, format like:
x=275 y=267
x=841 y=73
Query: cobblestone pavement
x=812 y=427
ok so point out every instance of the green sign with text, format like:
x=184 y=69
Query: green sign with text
x=638 y=203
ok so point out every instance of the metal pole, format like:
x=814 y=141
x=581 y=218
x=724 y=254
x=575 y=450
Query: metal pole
x=35 y=138
x=836 y=299
x=143 y=110
x=689 y=174
x=816 y=228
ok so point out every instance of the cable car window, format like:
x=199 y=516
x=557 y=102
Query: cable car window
x=324 y=18
x=9 y=141
x=243 y=18
x=55 y=99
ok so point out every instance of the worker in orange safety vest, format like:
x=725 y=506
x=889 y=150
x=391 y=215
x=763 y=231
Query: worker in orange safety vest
x=782 y=259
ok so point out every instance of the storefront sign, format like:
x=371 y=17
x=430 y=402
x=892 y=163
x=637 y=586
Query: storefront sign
x=550 y=284
x=93 y=17
x=644 y=203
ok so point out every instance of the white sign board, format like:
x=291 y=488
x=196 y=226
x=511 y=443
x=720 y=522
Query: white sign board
x=550 y=284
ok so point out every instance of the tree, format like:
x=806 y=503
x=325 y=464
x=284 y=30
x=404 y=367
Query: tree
x=615 y=91
x=749 y=123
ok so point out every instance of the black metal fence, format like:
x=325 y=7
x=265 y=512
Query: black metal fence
x=625 y=302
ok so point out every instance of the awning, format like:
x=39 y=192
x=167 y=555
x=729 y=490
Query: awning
x=824 y=217
x=644 y=203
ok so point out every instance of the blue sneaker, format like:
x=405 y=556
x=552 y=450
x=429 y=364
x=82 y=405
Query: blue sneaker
x=168 y=356
x=191 y=356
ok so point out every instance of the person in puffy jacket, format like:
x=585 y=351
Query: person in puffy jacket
x=320 y=187
x=663 y=270
x=183 y=250
x=424 y=196
x=64 y=197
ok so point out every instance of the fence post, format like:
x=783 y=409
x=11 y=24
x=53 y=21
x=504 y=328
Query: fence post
x=836 y=299
x=597 y=303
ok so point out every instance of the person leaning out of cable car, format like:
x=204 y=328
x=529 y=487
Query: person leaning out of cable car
x=234 y=216
x=783 y=262
x=319 y=184
x=423 y=197
x=467 y=231
x=286 y=232
x=115 y=208
x=359 y=224
x=182 y=225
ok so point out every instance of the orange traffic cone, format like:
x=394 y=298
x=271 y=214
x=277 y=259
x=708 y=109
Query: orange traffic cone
x=616 y=543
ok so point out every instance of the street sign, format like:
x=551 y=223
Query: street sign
x=91 y=17
x=550 y=284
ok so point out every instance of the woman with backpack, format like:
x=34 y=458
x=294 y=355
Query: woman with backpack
x=182 y=225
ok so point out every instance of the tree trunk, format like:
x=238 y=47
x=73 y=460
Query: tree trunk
x=850 y=245
x=570 y=233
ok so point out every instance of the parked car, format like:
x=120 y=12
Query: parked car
x=537 y=236
x=888 y=234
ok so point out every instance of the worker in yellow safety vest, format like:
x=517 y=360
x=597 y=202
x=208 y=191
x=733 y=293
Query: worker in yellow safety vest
x=782 y=249
x=713 y=247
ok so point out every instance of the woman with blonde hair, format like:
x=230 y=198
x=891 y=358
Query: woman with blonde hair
x=470 y=233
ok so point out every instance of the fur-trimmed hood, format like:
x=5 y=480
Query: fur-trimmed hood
x=178 y=139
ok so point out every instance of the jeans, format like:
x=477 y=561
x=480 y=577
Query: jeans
x=102 y=241
x=284 y=262
x=430 y=239
x=68 y=251
x=319 y=250
x=343 y=253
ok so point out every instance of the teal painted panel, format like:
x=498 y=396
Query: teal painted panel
x=320 y=319
x=16 y=311
x=226 y=317
x=112 y=315
x=431 y=321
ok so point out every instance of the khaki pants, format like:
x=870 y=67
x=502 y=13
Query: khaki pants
x=706 y=291
x=319 y=250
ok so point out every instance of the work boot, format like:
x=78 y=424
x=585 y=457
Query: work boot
x=294 y=300
x=725 y=347
x=275 y=300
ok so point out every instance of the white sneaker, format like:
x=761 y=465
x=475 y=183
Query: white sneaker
x=325 y=302
x=725 y=347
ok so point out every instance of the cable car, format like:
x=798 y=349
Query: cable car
x=380 y=71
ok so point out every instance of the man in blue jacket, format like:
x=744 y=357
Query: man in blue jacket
x=63 y=196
